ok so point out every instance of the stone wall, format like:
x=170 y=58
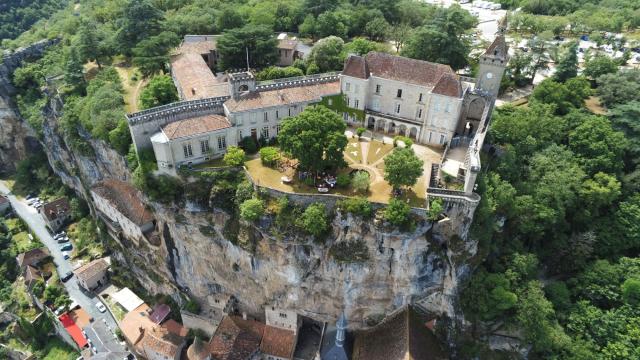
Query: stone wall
x=13 y=60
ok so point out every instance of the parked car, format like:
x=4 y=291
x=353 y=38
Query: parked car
x=59 y=310
x=65 y=255
x=66 y=276
x=66 y=247
x=100 y=306
x=62 y=240
x=59 y=235
x=32 y=201
x=30 y=196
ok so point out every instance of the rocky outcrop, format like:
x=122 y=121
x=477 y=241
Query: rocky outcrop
x=424 y=266
x=16 y=139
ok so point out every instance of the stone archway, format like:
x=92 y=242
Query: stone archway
x=392 y=128
x=243 y=88
x=402 y=130
x=476 y=108
x=381 y=125
x=413 y=133
x=371 y=123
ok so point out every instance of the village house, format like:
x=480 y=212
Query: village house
x=151 y=340
x=280 y=334
x=124 y=213
x=404 y=334
x=92 y=275
x=31 y=275
x=236 y=338
x=56 y=213
x=32 y=257
x=288 y=50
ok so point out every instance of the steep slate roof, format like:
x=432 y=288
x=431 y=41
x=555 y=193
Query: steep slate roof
x=448 y=85
x=397 y=68
x=32 y=256
x=56 y=208
x=278 y=342
x=404 y=335
x=498 y=49
x=356 y=66
x=195 y=126
x=124 y=197
x=193 y=75
x=89 y=270
x=236 y=339
x=281 y=97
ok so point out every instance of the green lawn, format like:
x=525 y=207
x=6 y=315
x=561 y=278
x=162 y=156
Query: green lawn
x=213 y=163
x=354 y=151
x=377 y=150
x=56 y=349
x=23 y=243
x=117 y=310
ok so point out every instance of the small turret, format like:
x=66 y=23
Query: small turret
x=240 y=83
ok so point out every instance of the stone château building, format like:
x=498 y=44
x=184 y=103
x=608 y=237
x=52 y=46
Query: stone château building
x=424 y=101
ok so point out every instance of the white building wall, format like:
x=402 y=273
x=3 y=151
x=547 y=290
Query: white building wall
x=355 y=91
x=442 y=119
x=257 y=120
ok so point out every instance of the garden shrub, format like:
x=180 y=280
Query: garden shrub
x=360 y=181
x=252 y=209
x=249 y=145
x=314 y=219
x=343 y=180
x=234 y=156
x=269 y=156
x=357 y=206
x=397 y=212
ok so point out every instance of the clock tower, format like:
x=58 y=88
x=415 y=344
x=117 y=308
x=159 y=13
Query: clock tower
x=492 y=65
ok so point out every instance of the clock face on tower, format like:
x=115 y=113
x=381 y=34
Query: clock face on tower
x=489 y=75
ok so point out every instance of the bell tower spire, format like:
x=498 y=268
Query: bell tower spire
x=494 y=62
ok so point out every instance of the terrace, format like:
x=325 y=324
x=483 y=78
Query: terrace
x=365 y=154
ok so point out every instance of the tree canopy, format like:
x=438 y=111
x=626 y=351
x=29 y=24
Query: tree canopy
x=402 y=167
x=315 y=137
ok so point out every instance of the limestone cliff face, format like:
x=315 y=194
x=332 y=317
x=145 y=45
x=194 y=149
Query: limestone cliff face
x=423 y=267
x=16 y=139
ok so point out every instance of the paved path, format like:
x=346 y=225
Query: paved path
x=37 y=226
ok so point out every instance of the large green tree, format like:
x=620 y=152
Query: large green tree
x=567 y=67
x=402 y=167
x=140 y=20
x=315 y=137
x=151 y=55
x=619 y=88
x=258 y=41
x=328 y=54
x=599 y=147
x=159 y=91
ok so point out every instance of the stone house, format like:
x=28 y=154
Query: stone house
x=287 y=51
x=56 y=213
x=150 y=340
x=280 y=334
x=120 y=207
x=92 y=275
x=404 y=334
x=32 y=257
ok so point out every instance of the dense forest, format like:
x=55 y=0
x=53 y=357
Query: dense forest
x=559 y=220
x=17 y=16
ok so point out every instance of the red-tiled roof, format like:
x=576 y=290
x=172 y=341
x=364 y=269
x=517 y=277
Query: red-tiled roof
x=194 y=78
x=278 y=342
x=89 y=270
x=31 y=274
x=397 y=68
x=236 y=339
x=32 y=257
x=195 y=126
x=125 y=198
x=198 y=350
x=56 y=208
x=281 y=97
x=175 y=328
x=356 y=66
x=161 y=341
x=404 y=335
x=448 y=85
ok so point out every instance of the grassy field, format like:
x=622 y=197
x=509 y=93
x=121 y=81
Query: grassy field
x=354 y=151
x=58 y=350
x=377 y=150
x=131 y=87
